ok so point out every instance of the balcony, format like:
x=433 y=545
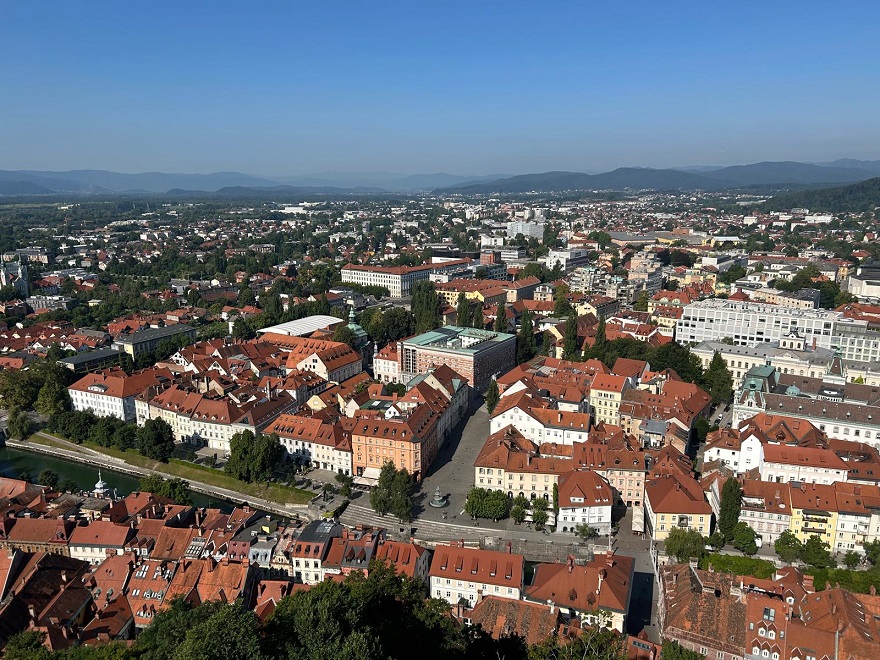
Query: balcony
x=814 y=529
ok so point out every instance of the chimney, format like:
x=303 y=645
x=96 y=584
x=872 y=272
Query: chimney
x=509 y=547
x=602 y=574
x=552 y=606
x=570 y=563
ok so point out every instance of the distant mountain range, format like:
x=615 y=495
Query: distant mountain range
x=637 y=178
x=231 y=184
x=33 y=182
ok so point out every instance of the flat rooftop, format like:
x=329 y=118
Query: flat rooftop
x=304 y=326
x=147 y=334
x=458 y=339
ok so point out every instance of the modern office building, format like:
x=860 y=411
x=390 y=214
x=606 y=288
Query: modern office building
x=148 y=339
x=749 y=323
x=478 y=355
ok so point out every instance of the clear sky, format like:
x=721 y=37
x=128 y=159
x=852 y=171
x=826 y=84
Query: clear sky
x=283 y=87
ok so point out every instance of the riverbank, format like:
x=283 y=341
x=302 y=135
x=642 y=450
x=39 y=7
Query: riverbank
x=141 y=466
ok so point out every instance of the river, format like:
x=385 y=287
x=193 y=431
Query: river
x=14 y=462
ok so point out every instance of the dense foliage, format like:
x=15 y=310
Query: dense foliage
x=253 y=458
x=730 y=507
x=760 y=568
x=685 y=544
x=483 y=503
x=393 y=493
x=857 y=198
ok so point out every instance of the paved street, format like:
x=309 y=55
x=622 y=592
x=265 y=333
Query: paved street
x=643 y=605
x=453 y=469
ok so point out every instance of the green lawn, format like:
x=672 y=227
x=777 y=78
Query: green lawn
x=50 y=442
x=207 y=475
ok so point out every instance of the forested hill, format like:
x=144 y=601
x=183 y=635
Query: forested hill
x=856 y=198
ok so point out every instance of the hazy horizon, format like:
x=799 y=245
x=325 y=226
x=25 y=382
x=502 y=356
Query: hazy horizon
x=470 y=89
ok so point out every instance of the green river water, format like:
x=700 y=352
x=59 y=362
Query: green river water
x=14 y=462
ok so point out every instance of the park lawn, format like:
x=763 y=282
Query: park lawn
x=38 y=439
x=192 y=472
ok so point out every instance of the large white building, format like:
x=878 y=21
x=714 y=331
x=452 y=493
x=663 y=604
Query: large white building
x=749 y=323
x=527 y=229
x=112 y=392
x=467 y=574
x=585 y=498
x=538 y=423
x=739 y=359
x=399 y=280
x=312 y=441
x=566 y=259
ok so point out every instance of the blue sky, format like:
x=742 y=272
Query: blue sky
x=476 y=87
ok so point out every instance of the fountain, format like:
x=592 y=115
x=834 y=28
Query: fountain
x=439 y=500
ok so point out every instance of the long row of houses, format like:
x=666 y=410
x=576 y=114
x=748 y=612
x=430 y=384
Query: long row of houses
x=311 y=393
x=87 y=568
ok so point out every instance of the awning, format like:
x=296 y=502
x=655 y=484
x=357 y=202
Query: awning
x=368 y=478
x=638 y=519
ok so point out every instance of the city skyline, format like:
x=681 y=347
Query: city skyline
x=492 y=89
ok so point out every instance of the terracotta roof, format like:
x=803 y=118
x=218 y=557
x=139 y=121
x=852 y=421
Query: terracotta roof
x=700 y=609
x=116 y=383
x=504 y=617
x=476 y=565
x=101 y=533
x=585 y=486
x=676 y=495
x=604 y=582
x=403 y=556
x=805 y=456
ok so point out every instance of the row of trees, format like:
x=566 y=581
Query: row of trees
x=155 y=439
x=814 y=552
x=41 y=387
x=174 y=489
x=522 y=506
x=468 y=314
x=253 y=458
x=425 y=307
